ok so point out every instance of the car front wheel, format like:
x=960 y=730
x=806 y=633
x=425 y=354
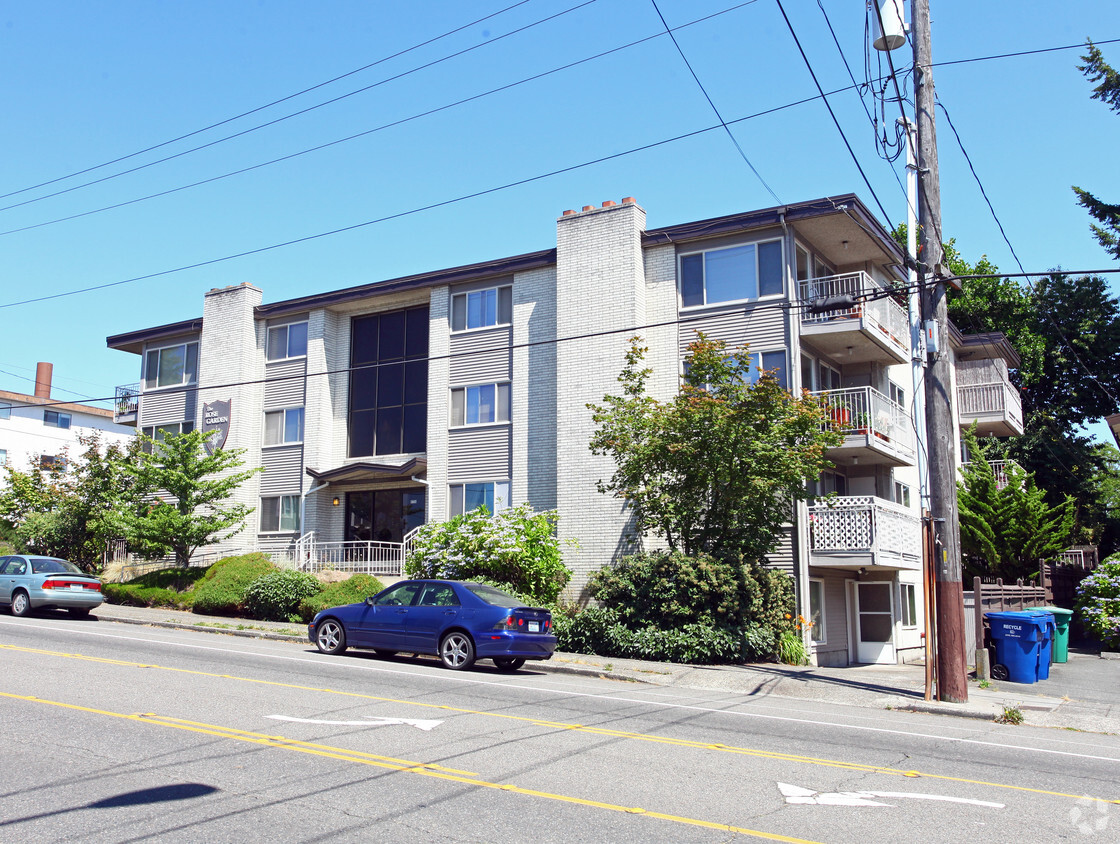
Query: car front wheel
x=457 y=651
x=508 y=663
x=21 y=604
x=330 y=638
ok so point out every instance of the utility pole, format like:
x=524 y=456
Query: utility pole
x=952 y=677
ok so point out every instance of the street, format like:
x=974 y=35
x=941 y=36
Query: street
x=117 y=733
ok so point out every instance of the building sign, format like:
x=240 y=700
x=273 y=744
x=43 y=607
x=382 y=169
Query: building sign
x=215 y=424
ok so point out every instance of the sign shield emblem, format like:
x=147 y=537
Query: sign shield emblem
x=215 y=424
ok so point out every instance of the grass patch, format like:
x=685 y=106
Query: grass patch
x=169 y=588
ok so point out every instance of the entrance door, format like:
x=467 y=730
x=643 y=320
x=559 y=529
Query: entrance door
x=874 y=621
x=383 y=515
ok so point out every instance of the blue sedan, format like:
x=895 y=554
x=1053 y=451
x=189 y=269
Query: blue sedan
x=30 y=582
x=458 y=621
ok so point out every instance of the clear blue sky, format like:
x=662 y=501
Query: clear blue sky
x=89 y=82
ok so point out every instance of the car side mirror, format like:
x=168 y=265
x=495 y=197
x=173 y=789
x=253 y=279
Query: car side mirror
x=369 y=601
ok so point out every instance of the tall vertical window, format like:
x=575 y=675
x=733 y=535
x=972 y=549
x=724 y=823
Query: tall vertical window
x=287 y=341
x=909 y=604
x=729 y=275
x=283 y=426
x=480 y=405
x=280 y=513
x=771 y=362
x=816 y=610
x=3 y=457
x=493 y=496
x=482 y=308
x=389 y=383
x=171 y=366
x=54 y=419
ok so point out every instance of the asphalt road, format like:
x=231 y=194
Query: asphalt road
x=114 y=732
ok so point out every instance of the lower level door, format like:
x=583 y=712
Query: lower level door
x=874 y=622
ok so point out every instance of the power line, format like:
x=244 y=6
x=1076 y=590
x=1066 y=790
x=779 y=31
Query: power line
x=395 y=55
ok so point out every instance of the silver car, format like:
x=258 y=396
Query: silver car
x=29 y=582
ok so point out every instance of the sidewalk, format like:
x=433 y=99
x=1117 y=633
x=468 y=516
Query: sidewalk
x=1079 y=695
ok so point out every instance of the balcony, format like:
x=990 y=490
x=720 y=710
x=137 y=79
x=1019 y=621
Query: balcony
x=1000 y=470
x=866 y=329
x=126 y=404
x=854 y=532
x=994 y=407
x=877 y=431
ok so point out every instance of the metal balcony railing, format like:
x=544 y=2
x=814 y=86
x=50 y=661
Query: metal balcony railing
x=376 y=558
x=864 y=410
x=884 y=313
x=1000 y=469
x=126 y=403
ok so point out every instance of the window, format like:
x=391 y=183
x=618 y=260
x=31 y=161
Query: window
x=909 y=604
x=729 y=275
x=480 y=405
x=3 y=457
x=901 y=494
x=482 y=308
x=283 y=426
x=468 y=497
x=897 y=394
x=384 y=515
x=772 y=362
x=51 y=461
x=829 y=483
x=827 y=377
x=54 y=419
x=400 y=596
x=438 y=595
x=5 y=410
x=287 y=341
x=389 y=383
x=280 y=513
x=816 y=610
x=171 y=366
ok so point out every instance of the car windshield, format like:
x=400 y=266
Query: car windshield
x=48 y=565
x=493 y=596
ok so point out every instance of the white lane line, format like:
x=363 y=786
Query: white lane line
x=371 y=721
x=806 y=796
x=345 y=662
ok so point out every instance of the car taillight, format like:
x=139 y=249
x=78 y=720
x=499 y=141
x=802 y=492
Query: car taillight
x=52 y=584
x=66 y=584
x=507 y=623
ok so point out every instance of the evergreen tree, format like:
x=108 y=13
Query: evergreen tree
x=1107 y=90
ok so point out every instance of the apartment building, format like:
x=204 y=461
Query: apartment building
x=376 y=408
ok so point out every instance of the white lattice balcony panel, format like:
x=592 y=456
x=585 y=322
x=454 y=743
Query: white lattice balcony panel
x=873 y=329
x=877 y=431
x=995 y=408
x=853 y=532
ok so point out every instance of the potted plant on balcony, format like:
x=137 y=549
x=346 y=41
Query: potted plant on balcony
x=840 y=415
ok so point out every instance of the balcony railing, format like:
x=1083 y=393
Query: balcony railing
x=993 y=406
x=873 y=309
x=356 y=556
x=1000 y=469
x=864 y=530
x=126 y=403
x=865 y=412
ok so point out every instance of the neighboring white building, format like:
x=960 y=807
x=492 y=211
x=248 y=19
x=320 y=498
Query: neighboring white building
x=375 y=408
x=37 y=431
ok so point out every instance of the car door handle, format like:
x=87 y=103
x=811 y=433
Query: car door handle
x=402 y=611
x=449 y=612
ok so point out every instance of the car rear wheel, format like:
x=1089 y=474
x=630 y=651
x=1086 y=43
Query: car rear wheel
x=21 y=604
x=78 y=612
x=330 y=638
x=507 y=663
x=456 y=650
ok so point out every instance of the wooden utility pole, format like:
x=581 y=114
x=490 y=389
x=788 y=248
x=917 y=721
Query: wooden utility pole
x=952 y=677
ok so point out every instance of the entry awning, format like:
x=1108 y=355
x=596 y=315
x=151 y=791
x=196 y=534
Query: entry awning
x=358 y=472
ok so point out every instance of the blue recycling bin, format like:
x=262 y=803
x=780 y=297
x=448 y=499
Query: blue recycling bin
x=1019 y=638
x=1046 y=646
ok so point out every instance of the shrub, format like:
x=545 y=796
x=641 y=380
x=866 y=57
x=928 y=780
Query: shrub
x=221 y=591
x=760 y=642
x=515 y=549
x=163 y=588
x=1098 y=603
x=353 y=590
x=599 y=630
x=276 y=596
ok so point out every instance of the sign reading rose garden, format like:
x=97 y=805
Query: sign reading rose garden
x=215 y=423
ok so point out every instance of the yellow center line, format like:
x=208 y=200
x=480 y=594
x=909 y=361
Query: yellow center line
x=400 y=765
x=559 y=725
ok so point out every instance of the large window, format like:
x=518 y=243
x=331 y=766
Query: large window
x=389 y=383
x=54 y=419
x=816 y=610
x=287 y=341
x=730 y=275
x=159 y=432
x=384 y=515
x=280 y=513
x=283 y=426
x=771 y=362
x=482 y=308
x=171 y=366
x=494 y=496
x=480 y=405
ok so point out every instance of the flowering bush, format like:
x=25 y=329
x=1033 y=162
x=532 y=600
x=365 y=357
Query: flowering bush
x=516 y=548
x=1098 y=603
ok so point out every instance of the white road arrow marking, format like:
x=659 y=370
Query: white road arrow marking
x=797 y=794
x=368 y=722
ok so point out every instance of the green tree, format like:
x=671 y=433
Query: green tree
x=183 y=493
x=1107 y=90
x=715 y=468
x=1007 y=532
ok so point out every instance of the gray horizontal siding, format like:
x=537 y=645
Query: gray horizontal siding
x=162 y=408
x=476 y=455
x=283 y=470
x=783 y=556
x=762 y=328
x=284 y=384
x=481 y=356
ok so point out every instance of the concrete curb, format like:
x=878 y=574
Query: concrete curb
x=204 y=628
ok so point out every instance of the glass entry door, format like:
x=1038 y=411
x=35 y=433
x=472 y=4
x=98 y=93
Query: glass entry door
x=874 y=622
x=384 y=515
